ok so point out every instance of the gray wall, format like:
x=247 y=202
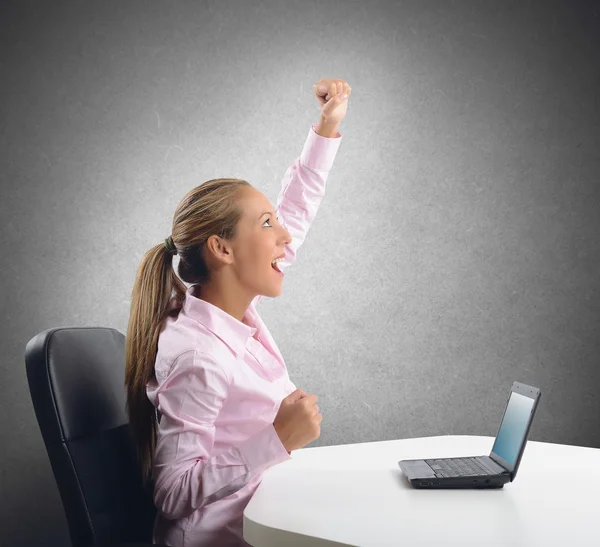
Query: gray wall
x=457 y=248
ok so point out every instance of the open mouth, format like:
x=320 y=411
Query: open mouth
x=275 y=266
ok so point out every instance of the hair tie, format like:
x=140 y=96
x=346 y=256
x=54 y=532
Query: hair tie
x=170 y=246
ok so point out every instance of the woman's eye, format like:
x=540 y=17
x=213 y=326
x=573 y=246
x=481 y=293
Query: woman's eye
x=269 y=220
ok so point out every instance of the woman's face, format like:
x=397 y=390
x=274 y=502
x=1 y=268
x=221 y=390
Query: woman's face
x=259 y=239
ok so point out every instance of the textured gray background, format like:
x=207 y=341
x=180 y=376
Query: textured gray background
x=457 y=248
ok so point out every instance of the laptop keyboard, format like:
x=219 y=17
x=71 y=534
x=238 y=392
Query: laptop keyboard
x=459 y=467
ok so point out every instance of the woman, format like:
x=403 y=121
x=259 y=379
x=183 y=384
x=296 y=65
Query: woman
x=210 y=402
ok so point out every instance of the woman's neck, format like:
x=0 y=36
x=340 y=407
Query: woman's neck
x=229 y=301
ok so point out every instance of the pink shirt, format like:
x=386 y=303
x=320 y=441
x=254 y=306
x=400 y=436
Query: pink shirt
x=219 y=384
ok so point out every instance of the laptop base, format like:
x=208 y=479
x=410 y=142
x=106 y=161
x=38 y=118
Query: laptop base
x=449 y=483
x=420 y=475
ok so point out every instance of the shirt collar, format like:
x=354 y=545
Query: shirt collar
x=226 y=327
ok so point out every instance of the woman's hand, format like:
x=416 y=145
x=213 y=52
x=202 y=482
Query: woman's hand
x=329 y=93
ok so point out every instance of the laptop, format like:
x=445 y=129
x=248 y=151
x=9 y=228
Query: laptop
x=492 y=471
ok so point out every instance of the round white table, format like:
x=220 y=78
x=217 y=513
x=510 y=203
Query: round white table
x=357 y=495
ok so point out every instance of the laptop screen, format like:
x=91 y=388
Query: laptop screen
x=513 y=427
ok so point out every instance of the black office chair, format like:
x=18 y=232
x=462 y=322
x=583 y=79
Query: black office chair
x=75 y=377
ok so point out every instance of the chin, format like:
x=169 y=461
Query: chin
x=271 y=288
x=272 y=291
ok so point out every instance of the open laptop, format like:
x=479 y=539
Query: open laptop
x=491 y=471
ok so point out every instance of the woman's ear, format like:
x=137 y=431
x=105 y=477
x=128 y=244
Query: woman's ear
x=218 y=251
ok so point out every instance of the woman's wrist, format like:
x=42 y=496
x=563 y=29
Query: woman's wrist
x=328 y=129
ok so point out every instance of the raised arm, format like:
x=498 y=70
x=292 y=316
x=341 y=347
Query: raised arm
x=303 y=185
x=303 y=189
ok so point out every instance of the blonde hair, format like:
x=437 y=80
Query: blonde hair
x=208 y=209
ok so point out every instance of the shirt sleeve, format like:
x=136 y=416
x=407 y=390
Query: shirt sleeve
x=303 y=189
x=187 y=475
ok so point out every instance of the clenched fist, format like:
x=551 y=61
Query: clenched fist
x=298 y=420
x=333 y=97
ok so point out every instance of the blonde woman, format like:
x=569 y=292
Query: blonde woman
x=210 y=402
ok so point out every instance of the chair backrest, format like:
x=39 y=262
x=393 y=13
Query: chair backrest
x=76 y=377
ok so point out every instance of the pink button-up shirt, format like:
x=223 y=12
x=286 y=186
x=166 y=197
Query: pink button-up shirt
x=219 y=384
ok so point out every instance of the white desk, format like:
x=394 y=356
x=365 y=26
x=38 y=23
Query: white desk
x=357 y=495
